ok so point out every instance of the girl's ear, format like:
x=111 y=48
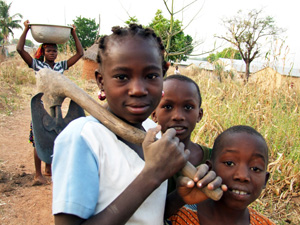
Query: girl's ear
x=153 y=116
x=200 y=115
x=99 y=79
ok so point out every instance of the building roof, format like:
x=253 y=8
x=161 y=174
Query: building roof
x=240 y=66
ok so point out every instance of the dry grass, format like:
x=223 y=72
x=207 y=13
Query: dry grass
x=273 y=112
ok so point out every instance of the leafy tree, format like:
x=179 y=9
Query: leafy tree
x=178 y=45
x=86 y=30
x=7 y=22
x=227 y=53
x=245 y=31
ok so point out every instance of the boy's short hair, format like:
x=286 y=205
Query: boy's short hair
x=186 y=79
x=237 y=129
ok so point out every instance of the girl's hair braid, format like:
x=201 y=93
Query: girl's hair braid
x=132 y=30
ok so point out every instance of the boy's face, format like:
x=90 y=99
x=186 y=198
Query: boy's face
x=178 y=108
x=241 y=163
x=131 y=76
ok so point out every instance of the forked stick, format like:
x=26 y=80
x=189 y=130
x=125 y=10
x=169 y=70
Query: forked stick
x=57 y=87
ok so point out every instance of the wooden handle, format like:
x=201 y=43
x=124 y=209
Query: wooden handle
x=189 y=171
x=57 y=87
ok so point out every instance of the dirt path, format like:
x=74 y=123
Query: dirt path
x=20 y=201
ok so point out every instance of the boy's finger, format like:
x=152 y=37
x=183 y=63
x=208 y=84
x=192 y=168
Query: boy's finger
x=208 y=178
x=185 y=182
x=202 y=170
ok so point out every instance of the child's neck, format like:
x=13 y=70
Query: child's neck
x=50 y=63
x=216 y=213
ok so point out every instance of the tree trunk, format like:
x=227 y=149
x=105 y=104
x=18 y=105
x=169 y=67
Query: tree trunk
x=247 y=72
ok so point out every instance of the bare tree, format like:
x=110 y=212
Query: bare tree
x=245 y=31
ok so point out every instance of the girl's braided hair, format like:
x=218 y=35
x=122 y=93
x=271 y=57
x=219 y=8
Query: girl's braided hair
x=132 y=30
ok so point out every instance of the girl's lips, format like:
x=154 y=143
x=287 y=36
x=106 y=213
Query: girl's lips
x=138 y=109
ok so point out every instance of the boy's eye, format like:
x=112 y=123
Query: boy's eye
x=167 y=107
x=152 y=76
x=229 y=163
x=256 y=169
x=121 y=77
x=188 y=107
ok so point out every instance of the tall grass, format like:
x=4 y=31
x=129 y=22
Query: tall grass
x=274 y=112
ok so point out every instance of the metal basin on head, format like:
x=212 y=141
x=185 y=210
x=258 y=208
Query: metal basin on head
x=48 y=33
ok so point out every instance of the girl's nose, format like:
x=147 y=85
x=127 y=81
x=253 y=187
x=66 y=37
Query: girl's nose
x=242 y=173
x=137 y=88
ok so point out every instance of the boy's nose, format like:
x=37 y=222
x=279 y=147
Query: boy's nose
x=242 y=173
x=137 y=88
x=178 y=115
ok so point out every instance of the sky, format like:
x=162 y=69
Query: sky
x=203 y=28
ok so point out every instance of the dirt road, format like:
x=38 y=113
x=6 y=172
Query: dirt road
x=20 y=201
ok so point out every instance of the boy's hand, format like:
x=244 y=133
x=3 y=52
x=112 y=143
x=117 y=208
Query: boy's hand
x=190 y=190
x=166 y=156
x=26 y=24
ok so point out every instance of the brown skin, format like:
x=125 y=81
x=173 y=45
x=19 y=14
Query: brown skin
x=242 y=164
x=179 y=108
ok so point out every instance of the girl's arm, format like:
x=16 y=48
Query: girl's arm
x=79 y=50
x=163 y=158
x=20 y=47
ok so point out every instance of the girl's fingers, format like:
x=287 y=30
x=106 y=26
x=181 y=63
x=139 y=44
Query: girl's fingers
x=185 y=182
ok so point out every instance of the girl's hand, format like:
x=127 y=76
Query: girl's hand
x=163 y=157
x=73 y=31
x=26 y=24
x=190 y=190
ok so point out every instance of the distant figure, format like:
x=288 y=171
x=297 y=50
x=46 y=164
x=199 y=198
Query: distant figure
x=45 y=57
x=176 y=71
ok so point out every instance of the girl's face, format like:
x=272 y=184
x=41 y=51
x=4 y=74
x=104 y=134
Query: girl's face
x=131 y=76
x=241 y=163
x=179 y=108
x=50 y=53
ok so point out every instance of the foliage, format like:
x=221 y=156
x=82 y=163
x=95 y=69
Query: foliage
x=180 y=44
x=132 y=19
x=245 y=31
x=86 y=30
x=227 y=53
x=7 y=22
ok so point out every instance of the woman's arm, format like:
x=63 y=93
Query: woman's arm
x=79 y=50
x=163 y=158
x=20 y=47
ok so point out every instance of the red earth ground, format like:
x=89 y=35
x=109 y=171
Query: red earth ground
x=20 y=201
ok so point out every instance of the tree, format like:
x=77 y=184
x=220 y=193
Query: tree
x=245 y=31
x=227 y=53
x=7 y=22
x=86 y=30
x=178 y=45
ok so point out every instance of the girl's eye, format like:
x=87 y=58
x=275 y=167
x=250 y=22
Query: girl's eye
x=152 y=76
x=229 y=163
x=256 y=169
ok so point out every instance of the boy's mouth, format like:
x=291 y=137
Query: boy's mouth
x=179 y=129
x=238 y=192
